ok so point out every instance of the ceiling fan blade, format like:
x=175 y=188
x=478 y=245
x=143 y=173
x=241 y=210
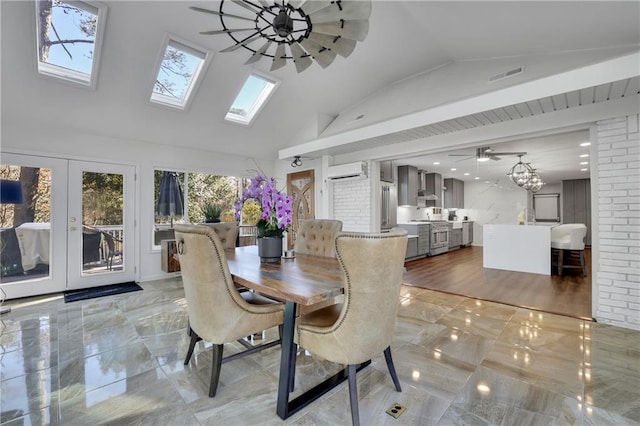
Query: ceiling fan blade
x=324 y=57
x=279 y=60
x=465 y=159
x=242 y=43
x=347 y=10
x=342 y=46
x=508 y=153
x=199 y=9
x=302 y=62
x=461 y=155
x=495 y=158
x=228 y=30
x=354 y=30
x=312 y=6
x=296 y=3
x=242 y=3
x=258 y=54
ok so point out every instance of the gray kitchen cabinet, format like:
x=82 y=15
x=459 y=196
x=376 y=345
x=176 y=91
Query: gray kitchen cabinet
x=412 y=247
x=467 y=233
x=453 y=194
x=407 y=186
x=386 y=171
x=455 y=238
x=576 y=203
x=422 y=230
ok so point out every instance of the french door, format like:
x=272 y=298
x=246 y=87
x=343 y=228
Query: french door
x=74 y=228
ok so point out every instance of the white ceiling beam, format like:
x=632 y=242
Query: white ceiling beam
x=591 y=75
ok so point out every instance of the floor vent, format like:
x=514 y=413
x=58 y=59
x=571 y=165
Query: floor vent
x=506 y=74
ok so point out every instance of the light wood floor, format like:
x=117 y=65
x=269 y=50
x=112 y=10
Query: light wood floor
x=461 y=272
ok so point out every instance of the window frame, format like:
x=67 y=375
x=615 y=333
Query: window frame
x=255 y=110
x=73 y=76
x=199 y=72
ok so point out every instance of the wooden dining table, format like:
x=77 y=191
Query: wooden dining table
x=304 y=280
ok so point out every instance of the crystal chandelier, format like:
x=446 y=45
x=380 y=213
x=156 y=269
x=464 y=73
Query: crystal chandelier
x=520 y=172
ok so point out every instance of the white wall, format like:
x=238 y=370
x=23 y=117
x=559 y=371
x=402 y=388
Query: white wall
x=616 y=267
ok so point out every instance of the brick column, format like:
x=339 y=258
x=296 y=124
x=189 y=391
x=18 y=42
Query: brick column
x=617 y=272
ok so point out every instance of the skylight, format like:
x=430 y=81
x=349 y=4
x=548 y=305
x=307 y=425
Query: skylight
x=252 y=97
x=69 y=37
x=178 y=73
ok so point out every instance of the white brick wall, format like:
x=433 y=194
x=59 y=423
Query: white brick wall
x=618 y=194
x=352 y=204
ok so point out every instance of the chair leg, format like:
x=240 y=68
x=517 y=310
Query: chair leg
x=215 y=369
x=560 y=260
x=353 y=394
x=584 y=267
x=392 y=369
x=194 y=339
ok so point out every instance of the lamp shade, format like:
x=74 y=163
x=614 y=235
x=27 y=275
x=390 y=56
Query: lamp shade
x=10 y=192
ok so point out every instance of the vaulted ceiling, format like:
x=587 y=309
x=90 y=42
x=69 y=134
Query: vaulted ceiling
x=408 y=41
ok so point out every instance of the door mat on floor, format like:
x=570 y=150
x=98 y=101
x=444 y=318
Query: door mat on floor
x=107 y=290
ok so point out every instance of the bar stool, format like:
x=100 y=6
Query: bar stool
x=569 y=237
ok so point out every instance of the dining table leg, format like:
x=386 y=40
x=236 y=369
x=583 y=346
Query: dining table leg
x=287 y=360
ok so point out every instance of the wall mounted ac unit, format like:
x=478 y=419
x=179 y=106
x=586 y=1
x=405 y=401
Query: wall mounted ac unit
x=348 y=170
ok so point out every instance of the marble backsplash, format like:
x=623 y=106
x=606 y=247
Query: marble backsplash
x=494 y=202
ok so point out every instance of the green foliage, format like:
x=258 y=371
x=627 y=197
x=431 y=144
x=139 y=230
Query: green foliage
x=211 y=211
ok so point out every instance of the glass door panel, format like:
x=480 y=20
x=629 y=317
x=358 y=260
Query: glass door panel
x=100 y=221
x=32 y=230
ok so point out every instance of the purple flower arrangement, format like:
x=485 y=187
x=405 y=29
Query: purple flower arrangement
x=277 y=208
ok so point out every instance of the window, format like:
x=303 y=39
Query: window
x=252 y=97
x=69 y=37
x=178 y=73
x=198 y=190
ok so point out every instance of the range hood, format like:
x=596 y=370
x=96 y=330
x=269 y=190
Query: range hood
x=427 y=186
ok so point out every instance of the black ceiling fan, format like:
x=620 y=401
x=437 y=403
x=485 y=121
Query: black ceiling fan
x=485 y=154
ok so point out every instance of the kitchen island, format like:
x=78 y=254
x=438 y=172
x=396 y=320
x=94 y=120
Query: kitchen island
x=522 y=248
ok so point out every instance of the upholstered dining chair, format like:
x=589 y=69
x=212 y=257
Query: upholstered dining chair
x=316 y=237
x=361 y=327
x=227 y=232
x=218 y=313
x=569 y=237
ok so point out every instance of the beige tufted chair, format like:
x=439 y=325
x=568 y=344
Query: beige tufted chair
x=569 y=237
x=316 y=237
x=362 y=327
x=227 y=232
x=218 y=313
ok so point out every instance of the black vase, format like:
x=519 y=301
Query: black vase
x=212 y=221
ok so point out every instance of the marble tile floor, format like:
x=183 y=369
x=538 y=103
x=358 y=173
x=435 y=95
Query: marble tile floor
x=119 y=360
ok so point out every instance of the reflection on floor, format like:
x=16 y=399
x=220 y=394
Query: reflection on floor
x=118 y=360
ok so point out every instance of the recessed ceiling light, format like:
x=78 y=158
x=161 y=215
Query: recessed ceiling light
x=476 y=178
x=584 y=163
x=486 y=181
x=453 y=169
x=584 y=170
x=467 y=174
x=436 y=163
x=585 y=144
x=584 y=155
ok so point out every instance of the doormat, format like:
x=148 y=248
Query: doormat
x=107 y=290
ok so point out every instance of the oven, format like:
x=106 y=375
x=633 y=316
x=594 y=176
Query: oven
x=439 y=238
